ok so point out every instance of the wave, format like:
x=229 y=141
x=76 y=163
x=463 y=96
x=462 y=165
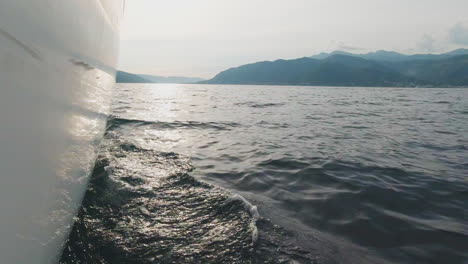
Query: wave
x=144 y=206
x=115 y=122
x=259 y=105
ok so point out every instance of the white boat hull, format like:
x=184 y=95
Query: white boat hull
x=57 y=61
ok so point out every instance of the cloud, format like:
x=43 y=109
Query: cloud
x=459 y=34
x=426 y=43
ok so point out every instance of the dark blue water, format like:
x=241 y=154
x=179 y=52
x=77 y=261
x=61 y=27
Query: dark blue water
x=338 y=175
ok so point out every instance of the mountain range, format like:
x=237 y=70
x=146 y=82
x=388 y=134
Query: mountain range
x=126 y=77
x=381 y=68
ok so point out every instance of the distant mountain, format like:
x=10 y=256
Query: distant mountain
x=450 y=71
x=125 y=77
x=342 y=69
x=383 y=55
x=337 y=70
x=325 y=55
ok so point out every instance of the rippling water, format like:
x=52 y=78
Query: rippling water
x=260 y=174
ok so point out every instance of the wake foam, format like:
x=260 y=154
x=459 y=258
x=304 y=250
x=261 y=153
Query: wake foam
x=253 y=211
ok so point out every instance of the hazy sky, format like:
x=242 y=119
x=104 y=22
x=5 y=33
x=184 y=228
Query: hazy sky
x=202 y=37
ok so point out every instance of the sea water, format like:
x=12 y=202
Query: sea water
x=276 y=174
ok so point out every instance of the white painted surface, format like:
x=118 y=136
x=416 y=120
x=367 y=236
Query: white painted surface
x=57 y=60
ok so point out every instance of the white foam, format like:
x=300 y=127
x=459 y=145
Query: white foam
x=253 y=211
